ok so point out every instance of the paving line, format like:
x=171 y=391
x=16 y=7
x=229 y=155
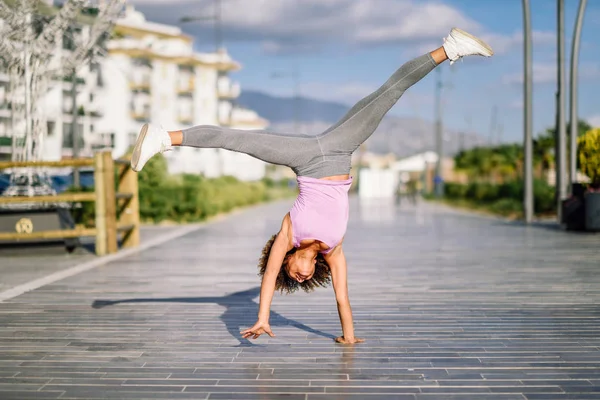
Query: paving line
x=86 y=266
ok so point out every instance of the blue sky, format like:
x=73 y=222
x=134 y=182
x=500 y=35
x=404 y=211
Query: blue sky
x=343 y=49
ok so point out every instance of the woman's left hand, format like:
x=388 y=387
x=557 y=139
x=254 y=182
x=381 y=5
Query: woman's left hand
x=343 y=340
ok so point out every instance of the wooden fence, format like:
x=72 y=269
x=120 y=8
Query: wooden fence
x=116 y=203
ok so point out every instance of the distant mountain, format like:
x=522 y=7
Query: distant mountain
x=399 y=135
x=282 y=109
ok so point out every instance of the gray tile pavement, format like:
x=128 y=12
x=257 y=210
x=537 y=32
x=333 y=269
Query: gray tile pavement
x=21 y=264
x=452 y=306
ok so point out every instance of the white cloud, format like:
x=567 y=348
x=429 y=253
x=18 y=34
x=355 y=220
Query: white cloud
x=546 y=73
x=503 y=43
x=286 y=26
x=516 y=104
x=594 y=121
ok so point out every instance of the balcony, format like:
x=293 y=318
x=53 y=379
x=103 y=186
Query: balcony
x=186 y=87
x=141 y=115
x=228 y=90
x=102 y=141
x=141 y=83
x=186 y=119
x=94 y=110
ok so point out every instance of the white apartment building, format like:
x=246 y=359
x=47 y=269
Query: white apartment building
x=150 y=74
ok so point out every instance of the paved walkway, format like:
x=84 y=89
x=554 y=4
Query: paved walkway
x=21 y=264
x=452 y=307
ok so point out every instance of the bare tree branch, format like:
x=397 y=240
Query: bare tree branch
x=8 y=51
x=5 y=12
x=46 y=41
x=102 y=25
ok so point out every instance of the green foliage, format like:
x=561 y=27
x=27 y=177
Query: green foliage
x=506 y=207
x=83 y=213
x=503 y=163
x=189 y=198
x=505 y=198
x=589 y=155
x=483 y=163
x=495 y=172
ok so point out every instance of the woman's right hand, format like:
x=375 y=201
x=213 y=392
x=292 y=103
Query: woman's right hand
x=258 y=329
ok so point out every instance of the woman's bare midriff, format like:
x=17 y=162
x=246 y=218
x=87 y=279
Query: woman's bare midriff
x=336 y=177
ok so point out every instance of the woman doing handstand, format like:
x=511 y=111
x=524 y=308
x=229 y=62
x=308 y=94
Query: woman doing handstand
x=307 y=250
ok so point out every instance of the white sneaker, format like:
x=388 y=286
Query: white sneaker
x=459 y=43
x=151 y=140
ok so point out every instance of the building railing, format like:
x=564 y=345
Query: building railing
x=116 y=203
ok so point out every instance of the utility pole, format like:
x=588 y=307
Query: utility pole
x=493 y=125
x=573 y=92
x=27 y=73
x=499 y=133
x=439 y=139
x=560 y=120
x=560 y=104
x=217 y=20
x=74 y=130
x=295 y=75
x=527 y=120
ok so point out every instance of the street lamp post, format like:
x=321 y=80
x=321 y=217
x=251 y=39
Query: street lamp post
x=216 y=18
x=439 y=137
x=573 y=92
x=560 y=114
x=527 y=119
x=295 y=75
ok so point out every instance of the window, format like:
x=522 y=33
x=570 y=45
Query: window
x=50 y=126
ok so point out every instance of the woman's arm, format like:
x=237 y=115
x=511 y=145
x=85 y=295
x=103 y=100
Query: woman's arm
x=280 y=247
x=337 y=263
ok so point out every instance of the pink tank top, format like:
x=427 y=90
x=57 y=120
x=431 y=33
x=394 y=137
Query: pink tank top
x=320 y=211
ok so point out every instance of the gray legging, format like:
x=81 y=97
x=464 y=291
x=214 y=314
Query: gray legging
x=328 y=153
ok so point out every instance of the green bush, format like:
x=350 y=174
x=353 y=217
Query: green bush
x=506 y=198
x=506 y=206
x=85 y=212
x=588 y=152
x=455 y=190
x=189 y=198
x=511 y=190
x=481 y=192
x=543 y=197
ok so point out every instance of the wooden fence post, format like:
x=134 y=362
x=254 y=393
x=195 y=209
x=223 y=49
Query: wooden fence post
x=99 y=182
x=110 y=203
x=130 y=215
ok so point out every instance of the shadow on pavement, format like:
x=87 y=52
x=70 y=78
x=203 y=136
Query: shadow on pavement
x=239 y=314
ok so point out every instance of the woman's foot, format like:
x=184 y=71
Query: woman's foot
x=151 y=140
x=459 y=44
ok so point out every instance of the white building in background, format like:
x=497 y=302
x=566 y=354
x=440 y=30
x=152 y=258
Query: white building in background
x=149 y=74
x=152 y=74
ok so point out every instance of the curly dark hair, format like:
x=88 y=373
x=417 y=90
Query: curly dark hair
x=321 y=277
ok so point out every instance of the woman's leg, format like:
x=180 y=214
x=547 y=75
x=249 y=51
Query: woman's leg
x=362 y=119
x=271 y=147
